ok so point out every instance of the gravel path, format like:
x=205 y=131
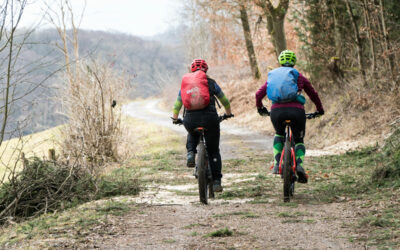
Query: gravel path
x=166 y=220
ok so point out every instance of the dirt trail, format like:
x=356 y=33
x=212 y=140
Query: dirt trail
x=166 y=218
x=150 y=111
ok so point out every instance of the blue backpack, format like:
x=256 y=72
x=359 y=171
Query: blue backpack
x=282 y=85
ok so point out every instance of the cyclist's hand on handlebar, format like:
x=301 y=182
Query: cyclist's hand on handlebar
x=263 y=111
x=315 y=114
x=177 y=121
x=225 y=116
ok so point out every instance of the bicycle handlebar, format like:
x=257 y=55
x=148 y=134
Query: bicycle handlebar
x=179 y=121
x=263 y=111
x=225 y=116
x=313 y=115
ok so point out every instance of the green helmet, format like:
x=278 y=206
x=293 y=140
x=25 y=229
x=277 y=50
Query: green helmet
x=287 y=58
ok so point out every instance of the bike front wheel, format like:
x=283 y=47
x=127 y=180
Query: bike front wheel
x=288 y=190
x=202 y=165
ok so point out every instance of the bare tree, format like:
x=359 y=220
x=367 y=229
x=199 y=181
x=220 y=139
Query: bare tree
x=197 y=40
x=359 y=44
x=11 y=14
x=387 y=45
x=233 y=14
x=93 y=131
x=367 y=18
x=275 y=22
x=249 y=41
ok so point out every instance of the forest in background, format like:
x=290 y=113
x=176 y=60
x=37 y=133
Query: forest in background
x=348 y=49
x=149 y=65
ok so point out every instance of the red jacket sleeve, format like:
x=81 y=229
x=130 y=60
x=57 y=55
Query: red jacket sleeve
x=260 y=94
x=310 y=91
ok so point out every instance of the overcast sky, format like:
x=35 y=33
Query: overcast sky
x=136 y=17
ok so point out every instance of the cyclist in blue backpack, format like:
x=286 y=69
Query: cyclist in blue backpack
x=283 y=88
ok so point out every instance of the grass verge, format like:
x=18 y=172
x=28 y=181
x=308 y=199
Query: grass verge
x=70 y=227
x=224 y=232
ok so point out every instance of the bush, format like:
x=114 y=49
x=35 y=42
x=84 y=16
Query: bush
x=45 y=186
x=121 y=182
x=391 y=168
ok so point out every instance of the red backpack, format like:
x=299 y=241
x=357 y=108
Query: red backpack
x=194 y=90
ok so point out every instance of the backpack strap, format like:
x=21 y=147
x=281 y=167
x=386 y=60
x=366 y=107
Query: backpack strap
x=216 y=100
x=212 y=90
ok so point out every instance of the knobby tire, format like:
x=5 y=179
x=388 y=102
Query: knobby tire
x=210 y=184
x=202 y=173
x=287 y=171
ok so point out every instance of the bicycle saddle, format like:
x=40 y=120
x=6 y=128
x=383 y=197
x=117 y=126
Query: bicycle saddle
x=199 y=129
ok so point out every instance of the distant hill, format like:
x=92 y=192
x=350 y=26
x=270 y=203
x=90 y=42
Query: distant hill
x=151 y=62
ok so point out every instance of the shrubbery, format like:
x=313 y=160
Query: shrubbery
x=46 y=186
x=391 y=165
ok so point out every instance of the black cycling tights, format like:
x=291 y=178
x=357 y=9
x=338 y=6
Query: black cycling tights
x=210 y=121
x=298 y=122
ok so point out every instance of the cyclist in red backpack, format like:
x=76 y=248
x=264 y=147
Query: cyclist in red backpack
x=197 y=94
x=283 y=87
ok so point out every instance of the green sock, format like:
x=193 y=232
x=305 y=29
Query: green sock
x=279 y=140
x=300 y=153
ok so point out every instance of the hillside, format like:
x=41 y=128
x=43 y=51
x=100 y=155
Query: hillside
x=148 y=63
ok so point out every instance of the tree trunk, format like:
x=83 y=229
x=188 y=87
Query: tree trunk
x=275 y=22
x=387 y=45
x=249 y=42
x=358 y=42
x=338 y=35
x=279 y=34
x=370 y=37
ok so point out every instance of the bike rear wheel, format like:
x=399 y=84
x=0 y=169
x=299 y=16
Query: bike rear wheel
x=202 y=165
x=210 y=182
x=288 y=189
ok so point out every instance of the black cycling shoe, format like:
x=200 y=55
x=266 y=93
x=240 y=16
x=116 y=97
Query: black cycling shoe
x=303 y=177
x=190 y=160
x=217 y=187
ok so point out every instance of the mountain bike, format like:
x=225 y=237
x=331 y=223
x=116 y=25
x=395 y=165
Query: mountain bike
x=287 y=163
x=202 y=170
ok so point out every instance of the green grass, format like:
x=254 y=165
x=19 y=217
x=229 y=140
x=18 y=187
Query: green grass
x=249 y=189
x=349 y=174
x=243 y=214
x=308 y=221
x=292 y=214
x=225 y=232
x=193 y=225
x=74 y=223
x=169 y=241
x=288 y=204
x=354 y=176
